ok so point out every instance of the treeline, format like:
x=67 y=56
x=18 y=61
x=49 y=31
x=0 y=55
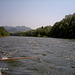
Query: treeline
x=63 y=29
x=3 y=32
x=39 y=32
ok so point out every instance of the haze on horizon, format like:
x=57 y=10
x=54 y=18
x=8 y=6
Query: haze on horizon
x=34 y=13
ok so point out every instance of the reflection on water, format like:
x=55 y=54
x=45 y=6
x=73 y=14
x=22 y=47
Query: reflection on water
x=56 y=56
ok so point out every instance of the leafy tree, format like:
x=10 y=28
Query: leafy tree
x=3 y=32
x=65 y=28
x=62 y=29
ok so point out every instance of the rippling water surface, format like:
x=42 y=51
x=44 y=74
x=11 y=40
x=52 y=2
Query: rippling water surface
x=56 y=56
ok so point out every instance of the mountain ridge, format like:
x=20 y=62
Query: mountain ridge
x=17 y=28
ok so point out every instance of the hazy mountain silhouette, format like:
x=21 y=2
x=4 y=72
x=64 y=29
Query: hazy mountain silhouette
x=17 y=28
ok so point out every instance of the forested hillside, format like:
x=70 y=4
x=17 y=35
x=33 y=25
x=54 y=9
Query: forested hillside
x=3 y=32
x=63 y=29
x=39 y=32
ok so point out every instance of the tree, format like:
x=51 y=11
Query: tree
x=3 y=32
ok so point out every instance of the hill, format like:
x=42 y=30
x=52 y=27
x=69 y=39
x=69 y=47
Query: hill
x=17 y=28
x=62 y=29
x=65 y=28
x=3 y=32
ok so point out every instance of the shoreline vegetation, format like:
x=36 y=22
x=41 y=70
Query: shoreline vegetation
x=62 y=29
x=3 y=32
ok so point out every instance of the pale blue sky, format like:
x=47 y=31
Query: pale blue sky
x=34 y=13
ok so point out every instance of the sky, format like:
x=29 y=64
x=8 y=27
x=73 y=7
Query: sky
x=34 y=13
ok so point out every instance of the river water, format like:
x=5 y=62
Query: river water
x=55 y=56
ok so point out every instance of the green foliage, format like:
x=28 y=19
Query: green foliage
x=38 y=35
x=3 y=32
x=39 y=32
x=63 y=29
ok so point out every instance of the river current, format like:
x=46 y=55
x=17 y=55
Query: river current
x=55 y=56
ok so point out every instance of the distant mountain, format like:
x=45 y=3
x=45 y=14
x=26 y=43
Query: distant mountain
x=17 y=28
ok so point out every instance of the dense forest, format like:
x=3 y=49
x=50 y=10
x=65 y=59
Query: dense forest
x=3 y=32
x=63 y=29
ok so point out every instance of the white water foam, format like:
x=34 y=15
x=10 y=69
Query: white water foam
x=4 y=57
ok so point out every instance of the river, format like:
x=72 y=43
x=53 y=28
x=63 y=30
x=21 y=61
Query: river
x=55 y=56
